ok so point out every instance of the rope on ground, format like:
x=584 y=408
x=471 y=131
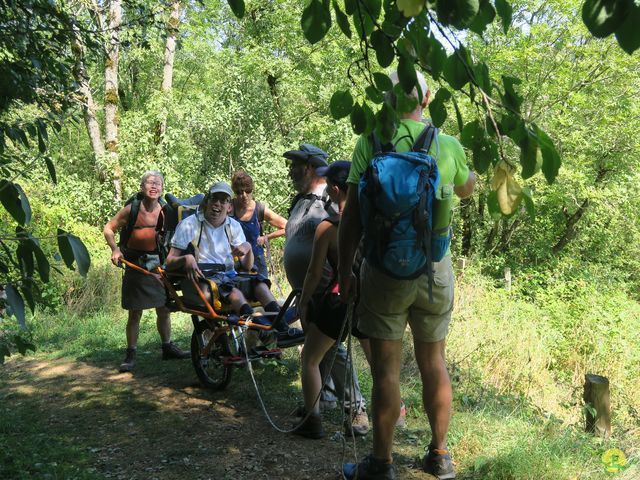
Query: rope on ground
x=350 y=374
x=261 y=401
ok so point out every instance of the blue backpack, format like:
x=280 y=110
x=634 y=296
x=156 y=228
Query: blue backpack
x=396 y=195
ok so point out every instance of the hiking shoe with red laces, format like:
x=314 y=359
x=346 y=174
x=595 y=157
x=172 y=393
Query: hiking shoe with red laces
x=311 y=427
x=370 y=468
x=357 y=425
x=129 y=361
x=171 y=351
x=438 y=463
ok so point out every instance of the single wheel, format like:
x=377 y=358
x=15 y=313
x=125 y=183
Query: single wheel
x=211 y=370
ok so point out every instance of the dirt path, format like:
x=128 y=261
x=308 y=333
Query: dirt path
x=163 y=426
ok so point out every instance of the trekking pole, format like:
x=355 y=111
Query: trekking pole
x=348 y=374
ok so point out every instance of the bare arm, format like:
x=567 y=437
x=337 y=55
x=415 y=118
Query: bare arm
x=274 y=220
x=245 y=254
x=118 y=222
x=324 y=236
x=465 y=190
x=348 y=239
x=177 y=260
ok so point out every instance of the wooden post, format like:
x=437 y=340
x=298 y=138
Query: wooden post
x=507 y=278
x=596 y=395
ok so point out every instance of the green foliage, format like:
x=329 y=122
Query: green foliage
x=604 y=17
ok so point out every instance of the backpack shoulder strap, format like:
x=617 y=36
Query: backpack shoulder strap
x=425 y=139
x=261 y=207
x=378 y=147
x=125 y=234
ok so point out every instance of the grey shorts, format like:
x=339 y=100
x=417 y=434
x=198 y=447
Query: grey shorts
x=387 y=304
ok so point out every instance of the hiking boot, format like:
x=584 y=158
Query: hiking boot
x=438 y=463
x=311 y=427
x=402 y=418
x=357 y=425
x=171 y=351
x=293 y=336
x=370 y=468
x=129 y=361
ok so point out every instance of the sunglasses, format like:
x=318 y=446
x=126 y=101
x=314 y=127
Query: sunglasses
x=219 y=198
x=239 y=192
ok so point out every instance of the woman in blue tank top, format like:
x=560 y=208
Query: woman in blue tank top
x=251 y=214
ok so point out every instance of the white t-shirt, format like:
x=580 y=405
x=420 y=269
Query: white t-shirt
x=214 y=246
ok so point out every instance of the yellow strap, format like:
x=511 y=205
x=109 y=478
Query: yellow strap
x=215 y=296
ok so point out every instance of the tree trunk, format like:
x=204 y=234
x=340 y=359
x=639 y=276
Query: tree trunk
x=596 y=396
x=169 y=56
x=88 y=105
x=111 y=96
x=571 y=220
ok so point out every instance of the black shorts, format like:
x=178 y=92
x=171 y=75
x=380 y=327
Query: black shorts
x=329 y=313
x=244 y=282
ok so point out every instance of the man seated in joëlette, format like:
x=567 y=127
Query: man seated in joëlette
x=204 y=246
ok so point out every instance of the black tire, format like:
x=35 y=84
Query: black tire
x=211 y=371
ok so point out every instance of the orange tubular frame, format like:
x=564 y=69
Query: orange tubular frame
x=209 y=314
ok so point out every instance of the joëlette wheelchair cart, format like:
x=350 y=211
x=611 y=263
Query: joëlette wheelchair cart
x=218 y=341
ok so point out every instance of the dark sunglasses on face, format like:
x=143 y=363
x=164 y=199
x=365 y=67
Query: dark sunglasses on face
x=239 y=192
x=223 y=199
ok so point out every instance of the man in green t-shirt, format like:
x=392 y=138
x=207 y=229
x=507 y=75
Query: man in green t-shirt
x=387 y=304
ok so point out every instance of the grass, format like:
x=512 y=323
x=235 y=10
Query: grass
x=517 y=413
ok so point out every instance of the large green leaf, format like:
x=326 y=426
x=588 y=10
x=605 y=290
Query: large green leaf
x=628 y=33
x=407 y=75
x=458 y=13
x=341 y=104
x=14 y=300
x=485 y=153
x=72 y=249
x=15 y=201
x=24 y=255
x=481 y=75
x=505 y=12
x=51 y=169
x=374 y=94
x=551 y=160
x=365 y=16
x=383 y=47
x=350 y=6
x=382 y=81
x=437 y=57
x=455 y=71
x=342 y=20
x=386 y=123
x=410 y=8
x=470 y=134
x=27 y=294
x=358 y=119
x=603 y=17
x=529 y=155
x=485 y=16
x=237 y=7
x=437 y=109
x=315 y=21
x=370 y=119
x=511 y=98
x=404 y=103
x=458 y=114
